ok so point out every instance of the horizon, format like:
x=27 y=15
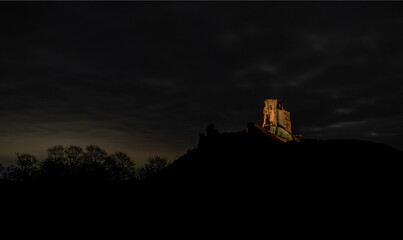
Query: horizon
x=146 y=78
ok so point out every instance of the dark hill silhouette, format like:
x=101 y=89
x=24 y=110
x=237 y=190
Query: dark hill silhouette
x=251 y=161
x=245 y=180
x=290 y=186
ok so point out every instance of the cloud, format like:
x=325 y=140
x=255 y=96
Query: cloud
x=156 y=74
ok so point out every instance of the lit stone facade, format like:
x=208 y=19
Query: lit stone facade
x=274 y=115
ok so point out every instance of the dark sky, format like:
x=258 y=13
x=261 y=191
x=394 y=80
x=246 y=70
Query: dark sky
x=146 y=78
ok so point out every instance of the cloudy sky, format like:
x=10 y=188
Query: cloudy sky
x=146 y=78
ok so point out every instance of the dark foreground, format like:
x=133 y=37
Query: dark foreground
x=243 y=179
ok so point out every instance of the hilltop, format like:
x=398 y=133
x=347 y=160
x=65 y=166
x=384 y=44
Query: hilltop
x=253 y=159
x=246 y=177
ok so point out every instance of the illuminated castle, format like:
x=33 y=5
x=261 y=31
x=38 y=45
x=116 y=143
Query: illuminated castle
x=276 y=128
x=275 y=115
x=277 y=121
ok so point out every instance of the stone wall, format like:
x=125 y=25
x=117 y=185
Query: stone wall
x=275 y=115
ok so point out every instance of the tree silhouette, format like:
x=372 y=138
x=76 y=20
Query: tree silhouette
x=73 y=156
x=7 y=173
x=56 y=154
x=54 y=165
x=153 y=166
x=95 y=154
x=73 y=164
x=92 y=164
x=2 y=171
x=121 y=166
x=27 y=167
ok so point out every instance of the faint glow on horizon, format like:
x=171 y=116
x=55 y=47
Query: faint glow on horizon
x=37 y=138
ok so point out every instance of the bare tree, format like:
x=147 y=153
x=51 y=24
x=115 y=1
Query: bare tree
x=121 y=166
x=2 y=171
x=95 y=154
x=56 y=154
x=153 y=166
x=27 y=166
x=74 y=155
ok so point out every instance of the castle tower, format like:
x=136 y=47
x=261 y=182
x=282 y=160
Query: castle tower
x=274 y=115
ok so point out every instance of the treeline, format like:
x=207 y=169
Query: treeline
x=75 y=164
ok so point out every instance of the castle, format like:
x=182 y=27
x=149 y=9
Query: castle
x=276 y=128
x=275 y=115
x=277 y=121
